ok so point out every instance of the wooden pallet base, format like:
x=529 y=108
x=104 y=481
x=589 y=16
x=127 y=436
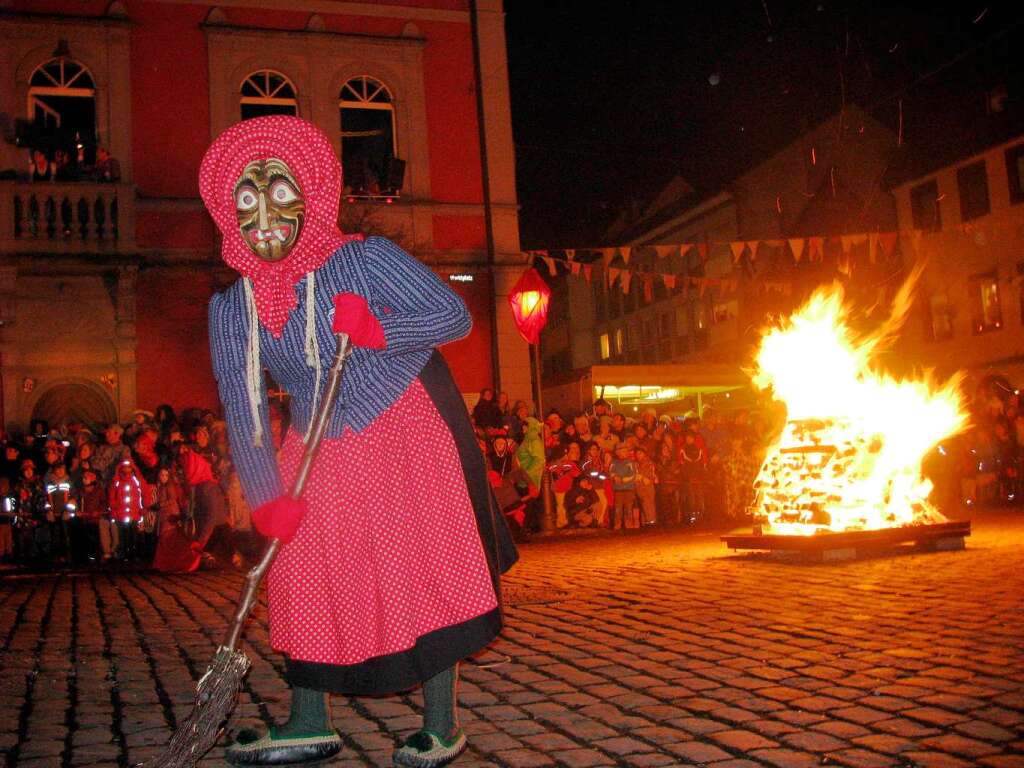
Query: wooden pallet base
x=832 y=547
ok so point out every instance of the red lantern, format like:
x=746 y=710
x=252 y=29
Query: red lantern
x=529 y=300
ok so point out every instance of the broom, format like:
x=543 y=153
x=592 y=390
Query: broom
x=218 y=689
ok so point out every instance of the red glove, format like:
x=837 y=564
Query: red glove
x=353 y=316
x=279 y=518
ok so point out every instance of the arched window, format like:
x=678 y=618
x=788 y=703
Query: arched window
x=62 y=107
x=368 y=138
x=267 y=92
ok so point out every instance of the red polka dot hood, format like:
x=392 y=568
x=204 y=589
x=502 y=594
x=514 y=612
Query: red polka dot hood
x=311 y=157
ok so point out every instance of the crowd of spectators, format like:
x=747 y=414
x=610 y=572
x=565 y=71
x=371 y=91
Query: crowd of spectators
x=610 y=470
x=161 y=490
x=619 y=470
x=982 y=466
x=157 y=491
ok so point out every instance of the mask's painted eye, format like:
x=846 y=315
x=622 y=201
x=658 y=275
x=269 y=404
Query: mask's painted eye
x=283 y=192
x=246 y=199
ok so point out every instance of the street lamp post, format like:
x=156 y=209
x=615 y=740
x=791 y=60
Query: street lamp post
x=529 y=300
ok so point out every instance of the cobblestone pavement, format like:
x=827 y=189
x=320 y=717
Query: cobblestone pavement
x=650 y=650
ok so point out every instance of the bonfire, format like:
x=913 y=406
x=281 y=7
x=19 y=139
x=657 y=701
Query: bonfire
x=849 y=457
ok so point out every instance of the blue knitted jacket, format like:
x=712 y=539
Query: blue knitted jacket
x=415 y=308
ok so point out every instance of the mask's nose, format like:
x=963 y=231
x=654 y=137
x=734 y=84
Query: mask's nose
x=263 y=220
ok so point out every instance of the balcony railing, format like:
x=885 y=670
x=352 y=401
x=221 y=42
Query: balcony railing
x=70 y=217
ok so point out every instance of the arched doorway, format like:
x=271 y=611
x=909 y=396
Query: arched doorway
x=74 y=402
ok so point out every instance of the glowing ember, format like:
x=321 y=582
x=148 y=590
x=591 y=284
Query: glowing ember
x=849 y=457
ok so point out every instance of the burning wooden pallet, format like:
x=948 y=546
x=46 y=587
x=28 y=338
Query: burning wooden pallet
x=852 y=544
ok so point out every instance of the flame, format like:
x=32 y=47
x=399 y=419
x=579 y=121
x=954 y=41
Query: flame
x=529 y=301
x=849 y=457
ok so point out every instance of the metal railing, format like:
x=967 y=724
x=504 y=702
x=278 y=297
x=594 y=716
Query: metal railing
x=71 y=217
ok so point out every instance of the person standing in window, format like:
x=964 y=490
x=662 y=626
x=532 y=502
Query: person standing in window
x=39 y=166
x=107 y=166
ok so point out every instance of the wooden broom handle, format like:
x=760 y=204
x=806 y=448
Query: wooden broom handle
x=320 y=420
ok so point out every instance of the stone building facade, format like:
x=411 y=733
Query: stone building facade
x=104 y=285
x=967 y=218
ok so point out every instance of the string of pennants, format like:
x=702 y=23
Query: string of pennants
x=810 y=249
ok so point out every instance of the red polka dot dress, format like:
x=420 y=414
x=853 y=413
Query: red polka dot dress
x=389 y=550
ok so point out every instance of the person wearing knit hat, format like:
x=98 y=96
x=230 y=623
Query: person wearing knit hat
x=389 y=571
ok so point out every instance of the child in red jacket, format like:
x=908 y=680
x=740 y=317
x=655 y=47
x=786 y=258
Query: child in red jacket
x=127 y=498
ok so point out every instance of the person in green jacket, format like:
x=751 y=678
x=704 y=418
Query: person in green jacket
x=530 y=452
x=532 y=460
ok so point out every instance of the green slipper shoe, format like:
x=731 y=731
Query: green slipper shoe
x=425 y=749
x=249 y=748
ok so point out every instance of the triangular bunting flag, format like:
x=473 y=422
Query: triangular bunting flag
x=648 y=290
x=665 y=250
x=796 y=245
x=586 y=272
x=737 y=249
x=574 y=267
x=670 y=281
x=626 y=251
x=607 y=254
x=702 y=249
x=570 y=254
x=552 y=270
x=625 y=280
x=613 y=275
x=752 y=245
x=685 y=248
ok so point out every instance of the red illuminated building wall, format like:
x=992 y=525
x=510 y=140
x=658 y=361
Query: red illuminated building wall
x=167 y=78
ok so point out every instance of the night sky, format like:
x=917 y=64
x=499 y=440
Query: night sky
x=610 y=100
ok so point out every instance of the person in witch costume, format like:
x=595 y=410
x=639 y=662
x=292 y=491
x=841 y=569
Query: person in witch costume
x=389 y=574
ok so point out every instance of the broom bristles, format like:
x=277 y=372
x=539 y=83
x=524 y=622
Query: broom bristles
x=215 y=698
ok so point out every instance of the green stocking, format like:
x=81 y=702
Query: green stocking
x=439 y=703
x=309 y=715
